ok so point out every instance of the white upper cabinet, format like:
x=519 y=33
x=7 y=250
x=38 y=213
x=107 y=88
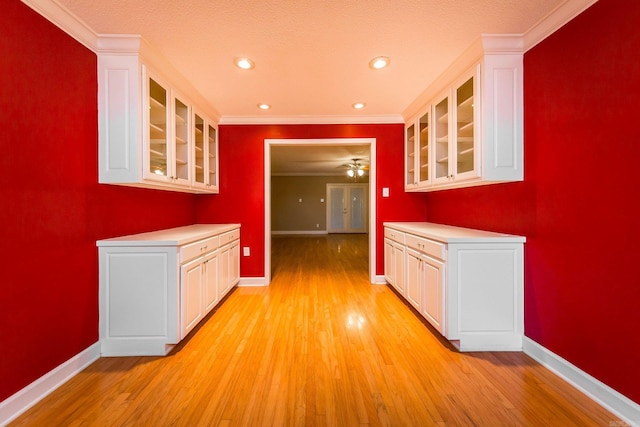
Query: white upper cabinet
x=149 y=134
x=470 y=129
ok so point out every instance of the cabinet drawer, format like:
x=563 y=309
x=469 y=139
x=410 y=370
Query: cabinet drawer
x=429 y=247
x=229 y=236
x=395 y=235
x=195 y=249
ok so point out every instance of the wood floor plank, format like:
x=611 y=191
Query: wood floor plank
x=320 y=346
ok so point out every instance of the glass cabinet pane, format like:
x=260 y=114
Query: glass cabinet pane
x=158 y=148
x=199 y=149
x=464 y=126
x=409 y=150
x=212 y=152
x=181 y=140
x=442 y=138
x=424 y=148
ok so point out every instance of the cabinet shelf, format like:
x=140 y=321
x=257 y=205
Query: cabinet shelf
x=157 y=153
x=424 y=148
x=465 y=127
x=444 y=118
x=443 y=160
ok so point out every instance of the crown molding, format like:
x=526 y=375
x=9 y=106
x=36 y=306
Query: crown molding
x=309 y=120
x=61 y=17
x=555 y=19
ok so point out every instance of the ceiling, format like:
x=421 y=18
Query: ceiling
x=317 y=159
x=311 y=56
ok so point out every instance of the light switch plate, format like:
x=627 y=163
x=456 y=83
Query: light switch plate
x=385 y=192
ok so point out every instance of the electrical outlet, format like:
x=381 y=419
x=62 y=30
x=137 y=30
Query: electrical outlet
x=246 y=251
x=317 y=225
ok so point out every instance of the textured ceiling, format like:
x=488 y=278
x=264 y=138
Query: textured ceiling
x=311 y=56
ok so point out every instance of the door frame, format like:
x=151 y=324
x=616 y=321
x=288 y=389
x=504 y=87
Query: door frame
x=371 y=143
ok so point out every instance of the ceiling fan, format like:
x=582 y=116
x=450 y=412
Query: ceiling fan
x=355 y=169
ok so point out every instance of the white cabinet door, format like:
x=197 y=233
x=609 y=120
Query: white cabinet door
x=234 y=260
x=410 y=175
x=210 y=282
x=156 y=129
x=432 y=307
x=211 y=165
x=180 y=156
x=389 y=262
x=398 y=267
x=190 y=296
x=224 y=272
x=413 y=282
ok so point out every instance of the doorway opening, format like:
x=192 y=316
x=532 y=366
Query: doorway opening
x=369 y=143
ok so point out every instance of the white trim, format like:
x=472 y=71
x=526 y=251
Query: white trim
x=371 y=142
x=252 y=281
x=613 y=401
x=554 y=20
x=62 y=18
x=301 y=232
x=310 y=120
x=15 y=405
x=379 y=280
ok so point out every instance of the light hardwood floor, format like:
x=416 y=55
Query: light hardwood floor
x=320 y=346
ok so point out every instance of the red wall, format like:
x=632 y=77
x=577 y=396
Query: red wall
x=241 y=197
x=578 y=205
x=52 y=209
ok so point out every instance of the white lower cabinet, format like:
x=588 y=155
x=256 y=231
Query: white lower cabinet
x=468 y=284
x=394 y=259
x=156 y=287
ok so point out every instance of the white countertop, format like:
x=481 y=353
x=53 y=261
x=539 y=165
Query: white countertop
x=451 y=234
x=170 y=237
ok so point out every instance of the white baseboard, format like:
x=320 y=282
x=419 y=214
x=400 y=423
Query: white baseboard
x=301 y=232
x=15 y=405
x=252 y=281
x=379 y=280
x=616 y=403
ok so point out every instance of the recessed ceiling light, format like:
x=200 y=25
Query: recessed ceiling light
x=359 y=105
x=379 y=62
x=264 y=106
x=244 y=63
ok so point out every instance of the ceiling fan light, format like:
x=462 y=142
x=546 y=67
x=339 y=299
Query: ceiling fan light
x=350 y=173
x=360 y=172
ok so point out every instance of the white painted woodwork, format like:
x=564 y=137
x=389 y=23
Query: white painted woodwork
x=156 y=287
x=463 y=140
x=149 y=139
x=468 y=284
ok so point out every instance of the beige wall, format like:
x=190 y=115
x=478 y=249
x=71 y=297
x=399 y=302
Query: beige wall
x=289 y=214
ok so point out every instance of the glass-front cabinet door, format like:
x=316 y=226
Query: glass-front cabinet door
x=199 y=154
x=466 y=161
x=441 y=140
x=156 y=138
x=212 y=158
x=409 y=157
x=181 y=158
x=423 y=143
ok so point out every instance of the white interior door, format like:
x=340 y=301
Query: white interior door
x=347 y=208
